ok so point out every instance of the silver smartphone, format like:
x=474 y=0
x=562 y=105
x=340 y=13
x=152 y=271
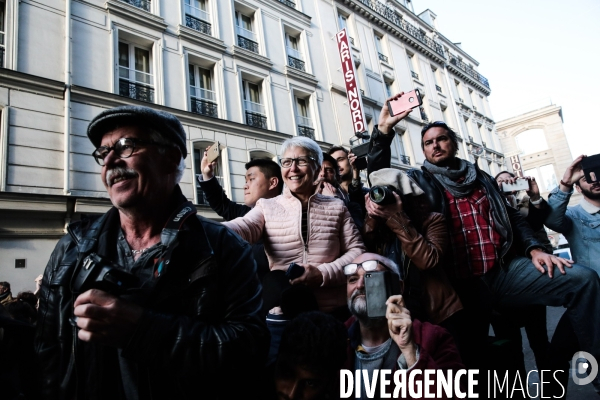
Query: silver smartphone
x=520 y=184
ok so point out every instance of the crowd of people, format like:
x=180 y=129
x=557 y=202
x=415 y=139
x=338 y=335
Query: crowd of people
x=152 y=301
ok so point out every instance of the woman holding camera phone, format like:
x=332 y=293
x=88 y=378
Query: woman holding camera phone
x=305 y=227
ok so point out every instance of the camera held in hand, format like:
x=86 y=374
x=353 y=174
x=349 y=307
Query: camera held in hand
x=382 y=195
x=97 y=272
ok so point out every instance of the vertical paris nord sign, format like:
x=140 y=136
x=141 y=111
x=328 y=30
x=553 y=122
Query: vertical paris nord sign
x=352 y=92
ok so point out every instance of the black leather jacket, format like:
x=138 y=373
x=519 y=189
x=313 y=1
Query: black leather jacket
x=201 y=329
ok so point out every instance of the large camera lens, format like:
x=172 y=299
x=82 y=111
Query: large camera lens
x=382 y=195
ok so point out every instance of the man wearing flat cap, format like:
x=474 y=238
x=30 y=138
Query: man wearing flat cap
x=148 y=300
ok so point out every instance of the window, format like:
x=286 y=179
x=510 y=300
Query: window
x=389 y=90
x=434 y=72
x=294 y=56
x=412 y=66
x=379 y=47
x=2 y=30
x=457 y=91
x=202 y=96
x=303 y=120
x=544 y=176
x=143 y=4
x=135 y=74
x=343 y=23
x=531 y=141
x=262 y=155
x=254 y=110
x=197 y=17
x=199 y=148
x=245 y=32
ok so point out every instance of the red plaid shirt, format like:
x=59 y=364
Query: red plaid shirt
x=474 y=238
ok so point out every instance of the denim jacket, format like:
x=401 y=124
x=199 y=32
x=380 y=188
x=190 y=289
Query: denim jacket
x=580 y=228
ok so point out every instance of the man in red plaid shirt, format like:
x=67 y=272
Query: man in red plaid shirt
x=496 y=259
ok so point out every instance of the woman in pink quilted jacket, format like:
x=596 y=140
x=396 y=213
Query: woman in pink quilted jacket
x=305 y=227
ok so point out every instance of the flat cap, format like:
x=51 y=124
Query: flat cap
x=162 y=122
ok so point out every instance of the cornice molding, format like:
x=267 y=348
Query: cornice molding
x=201 y=39
x=302 y=76
x=132 y=13
x=31 y=83
x=251 y=57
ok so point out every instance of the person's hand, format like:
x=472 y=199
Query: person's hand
x=208 y=168
x=327 y=189
x=105 y=319
x=534 y=189
x=508 y=180
x=384 y=212
x=400 y=327
x=312 y=276
x=351 y=160
x=572 y=175
x=386 y=121
x=541 y=259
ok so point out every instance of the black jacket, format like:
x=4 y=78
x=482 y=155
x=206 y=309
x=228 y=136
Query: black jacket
x=200 y=331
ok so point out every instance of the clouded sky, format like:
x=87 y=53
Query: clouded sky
x=533 y=51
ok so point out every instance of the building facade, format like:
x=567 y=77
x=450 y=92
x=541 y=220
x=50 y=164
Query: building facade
x=246 y=73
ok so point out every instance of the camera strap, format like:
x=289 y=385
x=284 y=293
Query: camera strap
x=168 y=236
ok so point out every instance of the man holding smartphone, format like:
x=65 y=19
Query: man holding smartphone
x=495 y=257
x=394 y=341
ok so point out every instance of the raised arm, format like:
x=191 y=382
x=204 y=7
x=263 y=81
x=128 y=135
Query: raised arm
x=250 y=227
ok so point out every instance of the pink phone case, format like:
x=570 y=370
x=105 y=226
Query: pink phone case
x=408 y=101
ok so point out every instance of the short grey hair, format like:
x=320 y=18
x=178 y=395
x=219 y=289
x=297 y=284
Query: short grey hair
x=157 y=137
x=305 y=143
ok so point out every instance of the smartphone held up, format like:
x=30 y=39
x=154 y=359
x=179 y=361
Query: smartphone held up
x=407 y=101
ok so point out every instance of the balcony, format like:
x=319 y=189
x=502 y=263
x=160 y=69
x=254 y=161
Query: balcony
x=438 y=88
x=247 y=39
x=143 y=4
x=471 y=139
x=351 y=40
x=197 y=24
x=404 y=159
x=423 y=114
x=306 y=132
x=469 y=71
x=136 y=91
x=414 y=74
x=407 y=27
x=288 y=3
x=383 y=58
x=256 y=120
x=295 y=59
x=204 y=107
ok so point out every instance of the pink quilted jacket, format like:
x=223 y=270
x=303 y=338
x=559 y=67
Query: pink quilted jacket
x=333 y=239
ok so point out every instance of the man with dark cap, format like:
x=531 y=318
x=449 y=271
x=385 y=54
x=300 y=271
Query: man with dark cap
x=148 y=300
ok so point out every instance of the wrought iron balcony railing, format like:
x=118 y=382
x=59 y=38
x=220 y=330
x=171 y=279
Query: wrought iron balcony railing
x=296 y=64
x=143 y=4
x=288 y=3
x=136 y=91
x=256 y=120
x=407 y=27
x=204 y=107
x=198 y=24
x=414 y=74
x=469 y=71
x=423 y=114
x=351 y=40
x=438 y=88
x=306 y=132
x=383 y=57
x=471 y=139
x=247 y=44
x=404 y=159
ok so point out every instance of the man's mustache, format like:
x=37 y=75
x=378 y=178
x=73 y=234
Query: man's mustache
x=117 y=172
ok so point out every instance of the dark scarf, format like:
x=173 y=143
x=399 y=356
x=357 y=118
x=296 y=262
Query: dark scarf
x=447 y=177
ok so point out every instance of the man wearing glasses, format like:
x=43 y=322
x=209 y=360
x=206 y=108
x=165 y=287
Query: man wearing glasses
x=395 y=341
x=183 y=310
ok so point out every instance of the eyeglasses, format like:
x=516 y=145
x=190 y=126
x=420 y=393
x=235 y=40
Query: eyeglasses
x=367 y=266
x=300 y=161
x=124 y=148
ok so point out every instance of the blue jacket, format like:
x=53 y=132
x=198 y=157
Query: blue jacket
x=581 y=228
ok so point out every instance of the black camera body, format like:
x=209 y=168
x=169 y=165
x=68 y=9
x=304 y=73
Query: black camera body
x=97 y=272
x=382 y=195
